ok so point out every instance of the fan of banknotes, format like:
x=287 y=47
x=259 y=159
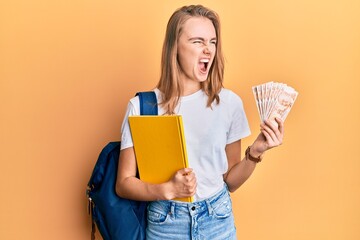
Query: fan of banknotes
x=274 y=100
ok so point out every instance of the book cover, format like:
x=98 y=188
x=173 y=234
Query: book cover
x=160 y=148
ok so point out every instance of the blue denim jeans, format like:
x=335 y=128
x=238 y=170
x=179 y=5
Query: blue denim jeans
x=210 y=219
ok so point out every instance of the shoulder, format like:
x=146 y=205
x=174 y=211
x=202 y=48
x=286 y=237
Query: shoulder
x=228 y=96
x=134 y=106
x=134 y=103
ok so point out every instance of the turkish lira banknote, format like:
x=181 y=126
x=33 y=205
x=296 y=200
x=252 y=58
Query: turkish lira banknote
x=273 y=100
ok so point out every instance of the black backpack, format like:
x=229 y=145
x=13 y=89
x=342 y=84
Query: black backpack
x=115 y=217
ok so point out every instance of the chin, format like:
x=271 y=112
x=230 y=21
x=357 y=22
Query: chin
x=202 y=78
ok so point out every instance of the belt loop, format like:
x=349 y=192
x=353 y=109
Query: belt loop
x=209 y=207
x=172 y=209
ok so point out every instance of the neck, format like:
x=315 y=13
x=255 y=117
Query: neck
x=189 y=89
x=189 y=86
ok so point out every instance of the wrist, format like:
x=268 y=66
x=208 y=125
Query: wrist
x=166 y=191
x=253 y=152
x=253 y=155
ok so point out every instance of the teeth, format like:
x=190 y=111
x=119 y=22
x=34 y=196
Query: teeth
x=204 y=60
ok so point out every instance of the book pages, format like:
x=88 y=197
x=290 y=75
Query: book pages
x=273 y=100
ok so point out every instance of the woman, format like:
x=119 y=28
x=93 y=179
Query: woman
x=191 y=85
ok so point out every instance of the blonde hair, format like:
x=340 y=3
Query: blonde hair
x=169 y=83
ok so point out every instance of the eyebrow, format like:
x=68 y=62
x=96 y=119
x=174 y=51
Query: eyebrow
x=200 y=38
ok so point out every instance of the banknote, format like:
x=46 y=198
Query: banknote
x=273 y=100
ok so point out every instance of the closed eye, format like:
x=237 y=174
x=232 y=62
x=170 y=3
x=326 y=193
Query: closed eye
x=197 y=41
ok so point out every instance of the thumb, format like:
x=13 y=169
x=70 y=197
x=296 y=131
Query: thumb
x=185 y=171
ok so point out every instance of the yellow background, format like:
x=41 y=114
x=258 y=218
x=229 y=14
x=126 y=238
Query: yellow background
x=68 y=68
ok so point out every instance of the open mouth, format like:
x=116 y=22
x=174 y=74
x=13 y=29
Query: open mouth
x=204 y=63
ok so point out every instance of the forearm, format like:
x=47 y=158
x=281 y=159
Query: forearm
x=182 y=184
x=135 y=189
x=130 y=187
x=239 y=173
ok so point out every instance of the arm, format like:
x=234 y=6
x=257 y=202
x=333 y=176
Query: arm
x=183 y=183
x=240 y=170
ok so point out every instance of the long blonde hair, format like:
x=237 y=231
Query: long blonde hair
x=169 y=83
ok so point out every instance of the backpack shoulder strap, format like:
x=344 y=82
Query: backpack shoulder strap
x=148 y=103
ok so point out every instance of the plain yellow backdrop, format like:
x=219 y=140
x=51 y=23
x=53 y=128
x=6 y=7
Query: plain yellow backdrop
x=68 y=68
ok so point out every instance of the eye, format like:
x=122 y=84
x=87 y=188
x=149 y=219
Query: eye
x=213 y=42
x=197 y=41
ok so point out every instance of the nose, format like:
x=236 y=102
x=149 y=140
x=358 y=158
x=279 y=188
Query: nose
x=206 y=50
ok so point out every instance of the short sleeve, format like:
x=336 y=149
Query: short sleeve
x=239 y=127
x=126 y=139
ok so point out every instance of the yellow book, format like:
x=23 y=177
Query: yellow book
x=160 y=149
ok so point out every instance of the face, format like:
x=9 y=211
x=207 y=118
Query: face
x=196 y=50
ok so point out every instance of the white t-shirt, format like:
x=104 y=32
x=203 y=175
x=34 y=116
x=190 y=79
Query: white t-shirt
x=207 y=132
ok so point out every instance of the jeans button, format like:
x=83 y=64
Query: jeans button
x=193 y=208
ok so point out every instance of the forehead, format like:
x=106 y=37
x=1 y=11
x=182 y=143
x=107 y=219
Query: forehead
x=199 y=27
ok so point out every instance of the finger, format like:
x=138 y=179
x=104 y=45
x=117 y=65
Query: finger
x=280 y=130
x=281 y=125
x=273 y=139
x=267 y=136
x=277 y=130
x=270 y=133
x=189 y=189
x=185 y=171
x=193 y=179
x=271 y=125
x=192 y=190
x=188 y=180
x=189 y=185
